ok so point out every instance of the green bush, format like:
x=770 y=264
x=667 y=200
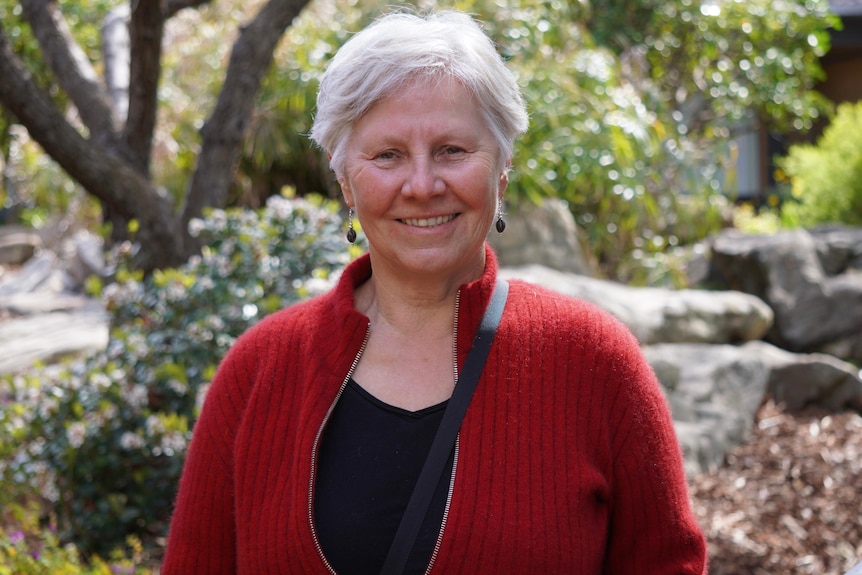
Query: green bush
x=28 y=548
x=826 y=178
x=104 y=438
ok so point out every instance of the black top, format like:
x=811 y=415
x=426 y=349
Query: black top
x=370 y=458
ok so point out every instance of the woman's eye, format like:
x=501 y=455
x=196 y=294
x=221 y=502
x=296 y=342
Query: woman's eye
x=452 y=150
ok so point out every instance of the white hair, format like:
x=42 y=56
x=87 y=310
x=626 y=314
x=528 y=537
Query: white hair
x=402 y=47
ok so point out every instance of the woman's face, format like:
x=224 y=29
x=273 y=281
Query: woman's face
x=423 y=173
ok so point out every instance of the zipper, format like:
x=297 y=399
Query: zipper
x=439 y=541
x=317 y=445
x=317 y=438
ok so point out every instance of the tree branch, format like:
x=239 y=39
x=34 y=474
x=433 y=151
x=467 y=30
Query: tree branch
x=223 y=132
x=73 y=70
x=107 y=177
x=146 y=30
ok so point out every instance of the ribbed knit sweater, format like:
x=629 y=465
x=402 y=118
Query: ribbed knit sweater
x=567 y=459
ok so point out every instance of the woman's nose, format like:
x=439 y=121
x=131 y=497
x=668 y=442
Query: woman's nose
x=422 y=179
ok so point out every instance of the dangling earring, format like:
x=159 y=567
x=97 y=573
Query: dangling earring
x=351 y=233
x=501 y=224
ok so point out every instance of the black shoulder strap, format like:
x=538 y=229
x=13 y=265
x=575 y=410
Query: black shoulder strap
x=444 y=440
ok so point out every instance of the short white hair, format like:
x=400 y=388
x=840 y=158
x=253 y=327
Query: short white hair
x=401 y=47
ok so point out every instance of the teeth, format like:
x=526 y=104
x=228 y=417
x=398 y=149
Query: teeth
x=428 y=222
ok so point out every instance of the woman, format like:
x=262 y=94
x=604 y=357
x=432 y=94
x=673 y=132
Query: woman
x=321 y=416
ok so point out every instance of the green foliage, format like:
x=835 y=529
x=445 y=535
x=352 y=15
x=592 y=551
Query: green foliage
x=727 y=59
x=104 y=438
x=29 y=548
x=85 y=22
x=763 y=222
x=42 y=190
x=826 y=178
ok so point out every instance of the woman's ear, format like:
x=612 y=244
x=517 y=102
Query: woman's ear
x=346 y=192
x=504 y=181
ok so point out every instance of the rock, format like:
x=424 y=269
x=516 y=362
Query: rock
x=839 y=249
x=85 y=258
x=18 y=244
x=662 y=315
x=47 y=337
x=43 y=316
x=800 y=380
x=32 y=274
x=35 y=303
x=545 y=235
x=813 y=310
x=715 y=390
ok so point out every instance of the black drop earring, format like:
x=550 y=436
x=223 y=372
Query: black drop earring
x=501 y=224
x=351 y=233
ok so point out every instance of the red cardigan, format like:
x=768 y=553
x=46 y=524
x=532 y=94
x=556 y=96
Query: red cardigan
x=568 y=462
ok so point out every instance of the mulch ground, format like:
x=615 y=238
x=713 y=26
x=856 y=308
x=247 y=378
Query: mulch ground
x=789 y=500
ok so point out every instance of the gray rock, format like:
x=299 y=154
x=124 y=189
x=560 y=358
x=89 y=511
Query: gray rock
x=662 y=315
x=48 y=337
x=17 y=244
x=48 y=319
x=713 y=396
x=839 y=249
x=788 y=270
x=85 y=258
x=798 y=380
x=714 y=391
x=546 y=235
x=32 y=274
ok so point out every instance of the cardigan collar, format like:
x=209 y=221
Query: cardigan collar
x=474 y=297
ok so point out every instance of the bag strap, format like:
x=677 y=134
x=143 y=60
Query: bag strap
x=444 y=440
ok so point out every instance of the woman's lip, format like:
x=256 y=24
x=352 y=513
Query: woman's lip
x=428 y=222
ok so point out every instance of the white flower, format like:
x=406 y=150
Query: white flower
x=137 y=395
x=129 y=441
x=75 y=434
x=196 y=226
x=177 y=386
x=154 y=426
x=101 y=381
x=48 y=407
x=173 y=443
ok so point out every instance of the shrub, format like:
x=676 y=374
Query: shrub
x=826 y=178
x=27 y=548
x=105 y=437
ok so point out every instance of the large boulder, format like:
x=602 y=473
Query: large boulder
x=812 y=281
x=72 y=325
x=45 y=317
x=544 y=234
x=658 y=315
x=715 y=390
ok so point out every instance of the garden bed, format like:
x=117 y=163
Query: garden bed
x=786 y=501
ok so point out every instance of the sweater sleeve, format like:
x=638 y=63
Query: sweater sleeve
x=653 y=528
x=202 y=537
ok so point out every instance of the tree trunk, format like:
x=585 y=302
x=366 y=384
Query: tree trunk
x=223 y=132
x=99 y=170
x=113 y=164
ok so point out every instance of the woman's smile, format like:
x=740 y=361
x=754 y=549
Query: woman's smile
x=429 y=222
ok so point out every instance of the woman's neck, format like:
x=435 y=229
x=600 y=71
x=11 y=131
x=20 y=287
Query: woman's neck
x=407 y=309
x=410 y=302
